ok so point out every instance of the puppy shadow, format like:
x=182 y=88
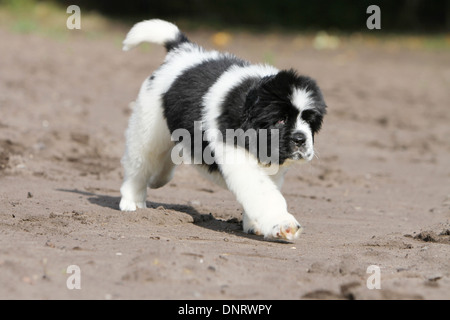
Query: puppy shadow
x=208 y=221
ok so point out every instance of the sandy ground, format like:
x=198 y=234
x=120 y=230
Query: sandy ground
x=378 y=194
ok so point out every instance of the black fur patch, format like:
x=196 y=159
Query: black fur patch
x=181 y=38
x=183 y=101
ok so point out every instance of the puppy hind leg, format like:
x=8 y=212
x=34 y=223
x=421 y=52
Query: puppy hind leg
x=153 y=172
x=147 y=137
x=134 y=187
x=164 y=174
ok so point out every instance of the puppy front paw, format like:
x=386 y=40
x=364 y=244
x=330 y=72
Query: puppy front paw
x=286 y=228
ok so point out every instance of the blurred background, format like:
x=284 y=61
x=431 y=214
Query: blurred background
x=400 y=15
x=397 y=16
x=322 y=24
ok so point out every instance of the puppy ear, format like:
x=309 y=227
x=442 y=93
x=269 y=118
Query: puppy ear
x=279 y=85
x=287 y=76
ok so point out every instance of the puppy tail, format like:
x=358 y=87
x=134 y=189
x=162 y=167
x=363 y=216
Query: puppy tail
x=156 y=31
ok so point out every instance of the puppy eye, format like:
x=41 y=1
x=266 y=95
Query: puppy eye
x=282 y=121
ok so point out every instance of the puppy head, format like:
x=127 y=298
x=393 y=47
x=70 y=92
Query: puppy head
x=293 y=105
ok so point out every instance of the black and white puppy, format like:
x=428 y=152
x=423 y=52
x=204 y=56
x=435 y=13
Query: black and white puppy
x=213 y=93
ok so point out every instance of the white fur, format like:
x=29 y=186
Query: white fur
x=308 y=149
x=147 y=155
x=156 y=31
x=302 y=101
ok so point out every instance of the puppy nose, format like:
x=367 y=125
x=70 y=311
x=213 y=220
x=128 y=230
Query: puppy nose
x=299 y=138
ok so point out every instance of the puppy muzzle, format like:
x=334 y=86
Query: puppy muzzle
x=301 y=148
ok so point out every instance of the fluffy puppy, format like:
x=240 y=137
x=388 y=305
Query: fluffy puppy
x=212 y=94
